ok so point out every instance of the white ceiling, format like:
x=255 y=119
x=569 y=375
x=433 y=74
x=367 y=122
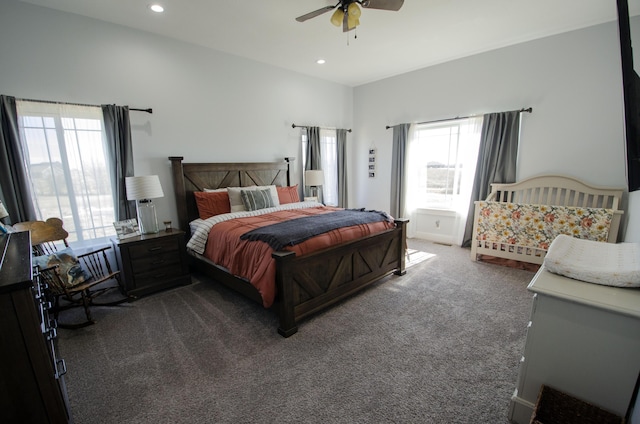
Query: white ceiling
x=420 y=34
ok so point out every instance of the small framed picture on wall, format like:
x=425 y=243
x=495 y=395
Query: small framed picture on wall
x=372 y=162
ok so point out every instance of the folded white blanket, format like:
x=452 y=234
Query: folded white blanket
x=610 y=264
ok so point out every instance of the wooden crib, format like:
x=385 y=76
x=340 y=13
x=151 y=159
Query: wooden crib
x=519 y=220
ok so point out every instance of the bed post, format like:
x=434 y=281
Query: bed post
x=289 y=160
x=402 y=224
x=286 y=311
x=181 y=195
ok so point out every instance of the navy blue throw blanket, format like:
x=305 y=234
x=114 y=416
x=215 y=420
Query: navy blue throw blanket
x=290 y=233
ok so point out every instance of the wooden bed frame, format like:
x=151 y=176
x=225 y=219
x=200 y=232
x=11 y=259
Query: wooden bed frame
x=305 y=284
x=556 y=190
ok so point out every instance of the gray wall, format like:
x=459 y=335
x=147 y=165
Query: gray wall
x=573 y=81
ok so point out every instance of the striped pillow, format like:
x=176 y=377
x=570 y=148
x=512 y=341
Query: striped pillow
x=256 y=199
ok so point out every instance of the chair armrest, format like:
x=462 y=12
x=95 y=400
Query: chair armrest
x=93 y=252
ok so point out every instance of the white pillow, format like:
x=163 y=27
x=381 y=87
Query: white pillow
x=235 y=197
x=214 y=190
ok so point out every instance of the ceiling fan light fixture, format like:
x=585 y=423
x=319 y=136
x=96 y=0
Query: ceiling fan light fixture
x=352 y=23
x=354 y=10
x=155 y=7
x=337 y=17
x=347 y=12
x=353 y=16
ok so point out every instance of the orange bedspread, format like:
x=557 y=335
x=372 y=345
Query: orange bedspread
x=252 y=260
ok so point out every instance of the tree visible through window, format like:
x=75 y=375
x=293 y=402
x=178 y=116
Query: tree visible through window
x=68 y=166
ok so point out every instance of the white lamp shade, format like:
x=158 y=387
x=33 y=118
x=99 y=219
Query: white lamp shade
x=313 y=178
x=3 y=211
x=143 y=187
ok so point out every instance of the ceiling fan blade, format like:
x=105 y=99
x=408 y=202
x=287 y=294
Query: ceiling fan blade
x=383 y=4
x=315 y=13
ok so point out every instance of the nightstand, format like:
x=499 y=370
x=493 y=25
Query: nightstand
x=152 y=262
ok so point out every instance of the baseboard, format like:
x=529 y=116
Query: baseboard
x=520 y=410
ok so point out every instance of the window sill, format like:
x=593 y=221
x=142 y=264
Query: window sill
x=436 y=211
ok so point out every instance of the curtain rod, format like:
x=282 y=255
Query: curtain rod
x=148 y=110
x=529 y=110
x=305 y=126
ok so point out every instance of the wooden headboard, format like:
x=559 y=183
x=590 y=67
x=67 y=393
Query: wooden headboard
x=190 y=177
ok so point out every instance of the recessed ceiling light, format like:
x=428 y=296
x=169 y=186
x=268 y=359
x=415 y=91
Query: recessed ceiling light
x=321 y=61
x=156 y=8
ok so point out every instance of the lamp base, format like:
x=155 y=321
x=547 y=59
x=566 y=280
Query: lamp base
x=147 y=218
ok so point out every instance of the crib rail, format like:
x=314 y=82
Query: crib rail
x=556 y=190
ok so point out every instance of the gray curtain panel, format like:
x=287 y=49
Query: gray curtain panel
x=118 y=133
x=313 y=159
x=342 y=167
x=398 y=164
x=15 y=190
x=496 y=159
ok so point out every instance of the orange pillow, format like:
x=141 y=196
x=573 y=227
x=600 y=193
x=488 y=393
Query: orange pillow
x=212 y=203
x=288 y=194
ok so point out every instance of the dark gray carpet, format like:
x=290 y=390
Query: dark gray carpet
x=438 y=345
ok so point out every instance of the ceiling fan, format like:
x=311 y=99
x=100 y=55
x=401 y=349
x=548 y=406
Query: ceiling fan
x=348 y=12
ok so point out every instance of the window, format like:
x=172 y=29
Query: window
x=329 y=164
x=442 y=160
x=66 y=160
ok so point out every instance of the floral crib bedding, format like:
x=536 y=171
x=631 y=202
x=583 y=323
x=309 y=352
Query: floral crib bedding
x=529 y=229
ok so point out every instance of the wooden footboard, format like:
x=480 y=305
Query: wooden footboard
x=309 y=283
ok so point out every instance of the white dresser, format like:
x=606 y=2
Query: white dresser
x=582 y=339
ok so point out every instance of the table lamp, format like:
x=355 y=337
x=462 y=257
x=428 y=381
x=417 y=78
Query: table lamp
x=142 y=189
x=313 y=178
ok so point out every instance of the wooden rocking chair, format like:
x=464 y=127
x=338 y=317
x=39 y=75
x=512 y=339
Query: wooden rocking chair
x=74 y=280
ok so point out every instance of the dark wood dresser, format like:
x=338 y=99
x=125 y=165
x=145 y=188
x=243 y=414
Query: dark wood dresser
x=152 y=262
x=32 y=388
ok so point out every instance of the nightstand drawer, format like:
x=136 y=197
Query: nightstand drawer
x=151 y=277
x=145 y=264
x=157 y=247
